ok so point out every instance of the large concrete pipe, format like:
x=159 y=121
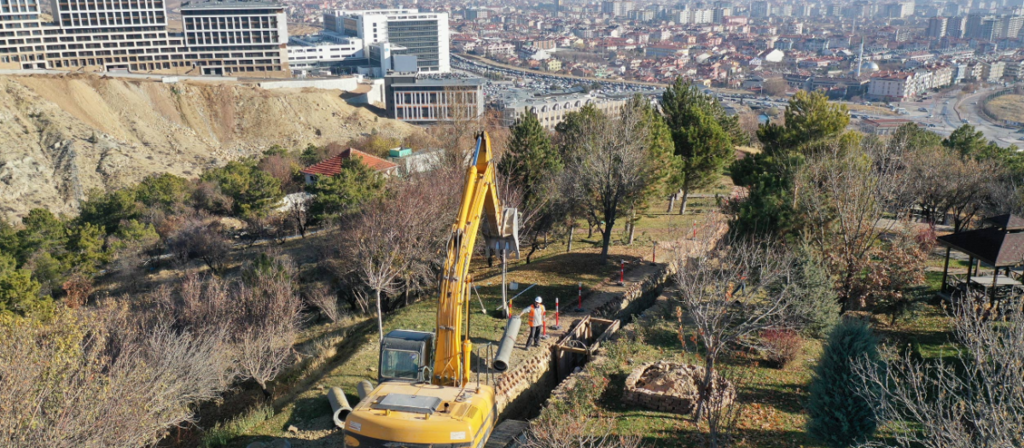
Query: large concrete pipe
x=363 y=388
x=508 y=342
x=340 y=406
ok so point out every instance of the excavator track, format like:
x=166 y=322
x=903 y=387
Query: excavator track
x=508 y=434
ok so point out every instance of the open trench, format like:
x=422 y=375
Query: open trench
x=523 y=390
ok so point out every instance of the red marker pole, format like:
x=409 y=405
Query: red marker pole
x=579 y=306
x=556 y=313
x=622 y=273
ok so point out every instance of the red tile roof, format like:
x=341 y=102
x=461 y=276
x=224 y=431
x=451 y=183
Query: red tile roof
x=332 y=166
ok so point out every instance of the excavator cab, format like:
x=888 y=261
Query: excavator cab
x=405 y=355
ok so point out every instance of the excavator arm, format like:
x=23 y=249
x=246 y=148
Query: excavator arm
x=480 y=206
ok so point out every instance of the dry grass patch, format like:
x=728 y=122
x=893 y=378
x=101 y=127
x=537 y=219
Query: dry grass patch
x=1006 y=107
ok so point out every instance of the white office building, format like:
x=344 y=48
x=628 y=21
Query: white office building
x=324 y=51
x=408 y=31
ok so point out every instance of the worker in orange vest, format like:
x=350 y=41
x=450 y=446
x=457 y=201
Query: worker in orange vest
x=536 y=321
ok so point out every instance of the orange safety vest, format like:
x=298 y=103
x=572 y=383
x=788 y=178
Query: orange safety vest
x=537 y=316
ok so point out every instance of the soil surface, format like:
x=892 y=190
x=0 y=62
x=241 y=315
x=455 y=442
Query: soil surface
x=64 y=135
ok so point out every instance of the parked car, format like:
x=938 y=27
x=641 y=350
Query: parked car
x=922 y=109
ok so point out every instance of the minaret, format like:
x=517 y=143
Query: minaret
x=860 y=58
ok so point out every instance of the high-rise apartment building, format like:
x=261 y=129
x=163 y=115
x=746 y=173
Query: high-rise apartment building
x=616 y=8
x=898 y=9
x=410 y=32
x=760 y=9
x=232 y=37
x=937 y=27
x=1012 y=25
x=972 y=27
x=956 y=26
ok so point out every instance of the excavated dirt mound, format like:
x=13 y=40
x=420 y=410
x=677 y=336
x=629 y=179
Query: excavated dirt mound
x=672 y=387
x=63 y=135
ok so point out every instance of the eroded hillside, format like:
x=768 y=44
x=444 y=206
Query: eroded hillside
x=61 y=136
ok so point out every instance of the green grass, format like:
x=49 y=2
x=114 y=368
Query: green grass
x=772 y=399
x=222 y=434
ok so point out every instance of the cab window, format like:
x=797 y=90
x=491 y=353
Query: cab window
x=400 y=364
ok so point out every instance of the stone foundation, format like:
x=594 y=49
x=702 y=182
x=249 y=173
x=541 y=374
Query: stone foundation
x=671 y=387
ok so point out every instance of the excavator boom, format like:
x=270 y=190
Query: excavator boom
x=480 y=206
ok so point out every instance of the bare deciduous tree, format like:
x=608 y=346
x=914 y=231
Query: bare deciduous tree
x=729 y=294
x=377 y=248
x=324 y=301
x=267 y=323
x=576 y=433
x=944 y=184
x=846 y=196
x=196 y=239
x=977 y=400
x=109 y=382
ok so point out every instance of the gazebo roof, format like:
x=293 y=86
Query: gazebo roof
x=994 y=246
x=1007 y=222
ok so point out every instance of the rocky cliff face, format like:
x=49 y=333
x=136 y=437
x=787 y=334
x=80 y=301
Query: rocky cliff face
x=61 y=136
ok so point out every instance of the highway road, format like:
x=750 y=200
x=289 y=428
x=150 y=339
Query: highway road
x=946 y=112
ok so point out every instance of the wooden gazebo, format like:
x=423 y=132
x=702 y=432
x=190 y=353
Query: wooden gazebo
x=999 y=243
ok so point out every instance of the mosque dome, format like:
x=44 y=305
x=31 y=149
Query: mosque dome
x=869 y=67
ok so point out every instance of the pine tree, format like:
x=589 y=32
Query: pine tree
x=839 y=416
x=344 y=193
x=530 y=159
x=19 y=292
x=682 y=95
x=703 y=147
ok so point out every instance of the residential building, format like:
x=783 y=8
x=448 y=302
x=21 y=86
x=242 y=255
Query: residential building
x=641 y=15
x=236 y=37
x=760 y=9
x=551 y=65
x=956 y=26
x=937 y=27
x=616 y=8
x=893 y=86
x=1014 y=70
x=410 y=32
x=551 y=109
x=1012 y=25
x=882 y=126
x=332 y=166
x=428 y=100
x=992 y=71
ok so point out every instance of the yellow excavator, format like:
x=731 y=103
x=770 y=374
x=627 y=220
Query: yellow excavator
x=425 y=397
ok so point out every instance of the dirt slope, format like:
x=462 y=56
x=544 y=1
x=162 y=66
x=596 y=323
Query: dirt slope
x=61 y=136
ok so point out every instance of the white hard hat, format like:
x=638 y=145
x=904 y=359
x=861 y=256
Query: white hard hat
x=538 y=299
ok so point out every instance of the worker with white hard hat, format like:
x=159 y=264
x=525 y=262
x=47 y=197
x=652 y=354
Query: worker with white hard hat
x=536 y=321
